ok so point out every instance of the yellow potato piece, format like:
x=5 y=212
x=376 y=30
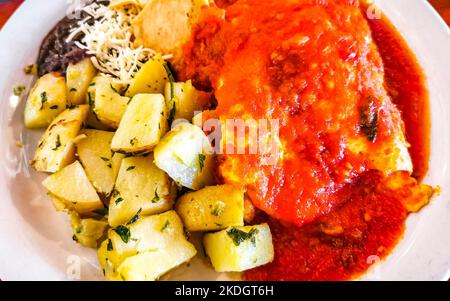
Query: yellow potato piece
x=56 y=147
x=151 y=78
x=78 y=78
x=145 y=249
x=185 y=154
x=142 y=125
x=47 y=99
x=88 y=231
x=212 y=208
x=183 y=100
x=100 y=163
x=239 y=248
x=141 y=187
x=106 y=102
x=71 y=186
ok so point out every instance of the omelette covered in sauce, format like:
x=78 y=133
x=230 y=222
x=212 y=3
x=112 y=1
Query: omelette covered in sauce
x=340 y=188
x=314 y=66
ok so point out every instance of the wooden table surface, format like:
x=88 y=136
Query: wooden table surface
x=6 y=9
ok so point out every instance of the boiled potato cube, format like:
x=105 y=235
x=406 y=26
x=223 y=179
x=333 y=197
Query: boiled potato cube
x=107 y=103
x=88 y=231
x=78 y=77
x=92 y=120
x=162 y=235
x=212 y=208
x=56 y=147
x=142 y=267
x=151 y=78
x=142 y=125
x=183 y=100
x=47 y=99
x=59 y=204
x=101 y=164
x=109 y=260
x=239 y=248
x=71 y=185
x=140 y=187
x=185 y=154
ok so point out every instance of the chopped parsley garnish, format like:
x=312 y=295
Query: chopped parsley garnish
x=131 y=168
x=156 y=198
x=75 y=238
x=172 y=92
x=110 y=245
x=135 y=217
x=172 y=112
x=369 y=120
x=90 y=100
x=165 y=226
x=44 y=99
x=239 y=236
x=105 y=159
x=54 y=107
x=218 y=209
x=115 y=192
x=123 y=232
x=103 y=211
x=30 y=69
x=201 y=161
x=57 y=143
x=18 y=90
x=134 y=141
x=114 y=89
x=73 y=90
x=79 y=229
x=126 y=89
x=118 y=201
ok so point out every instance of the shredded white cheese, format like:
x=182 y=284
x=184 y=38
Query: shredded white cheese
x=108 y=37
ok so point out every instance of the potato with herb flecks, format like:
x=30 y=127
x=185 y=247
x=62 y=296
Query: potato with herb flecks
x=140 y=187
x=56 y=148
x=212 y=208
x=72 y=187
x=183 y=100
x=104 y=96
x=47 y=99
x=78 y=77
x=87 y=231
x=145 y=249
x=101 y=164
x=185 y=153
x=151 y=78
x=237 y=249
x=142 y=125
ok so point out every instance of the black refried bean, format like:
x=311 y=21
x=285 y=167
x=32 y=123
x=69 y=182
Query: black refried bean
x=55 y=53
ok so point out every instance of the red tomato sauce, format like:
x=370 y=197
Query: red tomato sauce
x=405 y=83
x=309 y=64
x=341 y=245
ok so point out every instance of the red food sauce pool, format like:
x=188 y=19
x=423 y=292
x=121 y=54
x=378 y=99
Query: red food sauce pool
x=307 y=253
x=367 y=219
x=405 y=83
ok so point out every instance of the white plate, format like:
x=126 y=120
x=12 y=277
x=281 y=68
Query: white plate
x=35 y=241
